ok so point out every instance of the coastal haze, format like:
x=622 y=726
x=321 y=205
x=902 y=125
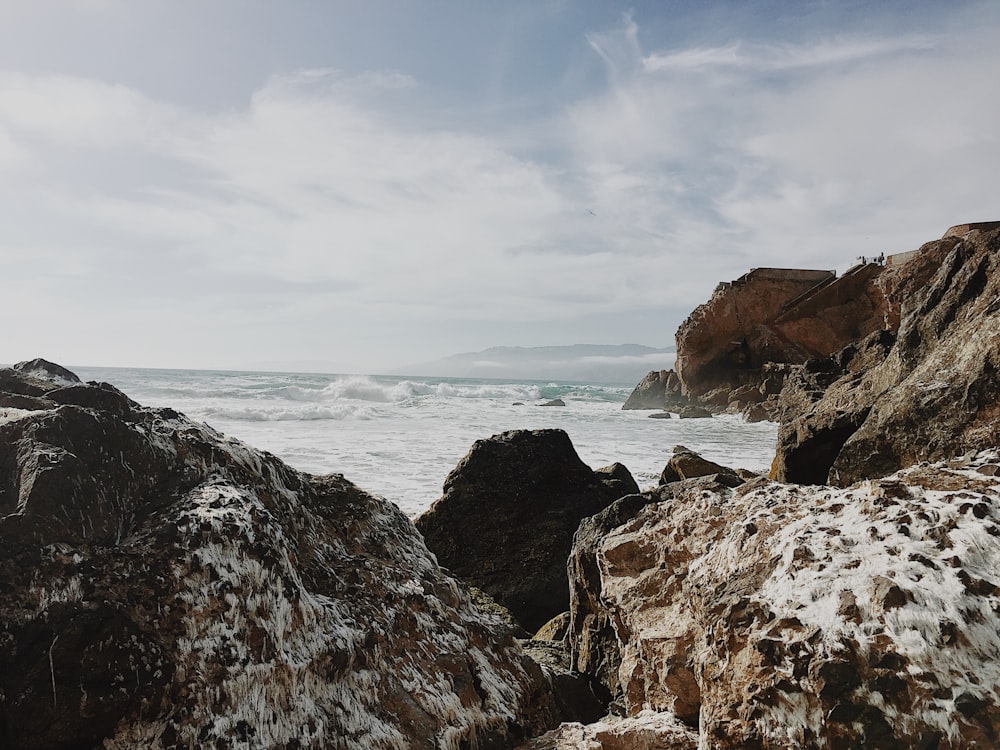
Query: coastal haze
x=373 y=184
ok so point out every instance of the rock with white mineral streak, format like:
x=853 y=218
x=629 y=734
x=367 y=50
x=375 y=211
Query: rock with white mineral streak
x=165 y=586
x=781 y=616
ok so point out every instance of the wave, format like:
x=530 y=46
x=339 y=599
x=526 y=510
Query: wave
x=363 y=388
x=286 y=413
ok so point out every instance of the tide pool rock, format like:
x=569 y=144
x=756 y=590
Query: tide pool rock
x=784 y=616
x=507 y=516
x=165 y=586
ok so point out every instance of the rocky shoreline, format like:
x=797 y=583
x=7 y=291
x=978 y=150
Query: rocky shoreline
x=165 y=586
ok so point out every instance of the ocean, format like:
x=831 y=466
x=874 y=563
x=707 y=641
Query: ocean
x=398 y=437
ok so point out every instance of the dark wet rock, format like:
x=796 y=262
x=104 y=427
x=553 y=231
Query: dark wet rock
x=554 y=402
x=618 y=479
x=660 y=389
x=660 y=415
x=163 y=586
x=507 y=516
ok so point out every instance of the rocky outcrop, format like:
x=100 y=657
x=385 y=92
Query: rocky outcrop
x=164 y=586
x=660 y=389
x=507 y=516
x=927 y=392
x=782 y=616
x=735 y=351
x=729 y=335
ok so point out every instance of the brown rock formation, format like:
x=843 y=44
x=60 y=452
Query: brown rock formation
x=734 y=351
x=163 y=586
x=686 y=464
x=929 y=392
x=506 y=520
x=729 y=334
x=780 y=616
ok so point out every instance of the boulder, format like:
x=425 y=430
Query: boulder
x=660 y=389
x=507 y=516
x=554 y=402
x=164 y=586
x=686 y=464
x=783 y=616
x=617 y=478
x=660 y=415
x=927 y=392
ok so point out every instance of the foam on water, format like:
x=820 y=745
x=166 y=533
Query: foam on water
x=399 y=437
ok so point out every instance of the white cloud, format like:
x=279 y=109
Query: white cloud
x=345 y=208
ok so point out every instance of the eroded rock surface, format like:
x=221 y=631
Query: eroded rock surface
x=506 y=519
x=930 y=391
x=783 y=616
x=163 y=586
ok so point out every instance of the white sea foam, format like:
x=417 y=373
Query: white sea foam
x=399 y=437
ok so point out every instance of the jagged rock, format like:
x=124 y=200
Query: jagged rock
x=660 y=415
x=647 y=730
x=506 y=519
x=660 y=389
x=164 y=586
x=782 y=616
x=686 y=464
x=928 y=392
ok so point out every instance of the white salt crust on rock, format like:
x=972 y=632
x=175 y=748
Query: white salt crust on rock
x=784 y=616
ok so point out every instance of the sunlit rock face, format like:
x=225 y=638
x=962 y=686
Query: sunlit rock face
x=163 y=586
x=928 y=392
x=787 y=616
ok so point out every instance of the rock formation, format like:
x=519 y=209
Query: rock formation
x=507 y=516
x=660 y=389
x=782 y=616
x=163 y=586
x=928 y=392
x=686 y=464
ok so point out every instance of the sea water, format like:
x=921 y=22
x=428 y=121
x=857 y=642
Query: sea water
x=399 y=437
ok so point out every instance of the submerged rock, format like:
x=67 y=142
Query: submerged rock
x=165 y=586
x=782 y=616
x=506 y=519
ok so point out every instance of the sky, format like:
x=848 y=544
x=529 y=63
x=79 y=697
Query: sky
x=353 y=186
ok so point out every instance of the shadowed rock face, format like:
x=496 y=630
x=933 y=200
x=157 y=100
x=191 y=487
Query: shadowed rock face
x=163 y=586
x=930 y=392
x=507 y=517
x=781 y=616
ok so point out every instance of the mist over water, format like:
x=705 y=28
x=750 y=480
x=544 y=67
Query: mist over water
x=399 y=437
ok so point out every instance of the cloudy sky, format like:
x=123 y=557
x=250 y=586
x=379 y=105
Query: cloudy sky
x=358 y=185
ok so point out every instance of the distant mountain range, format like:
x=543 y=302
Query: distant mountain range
x=623 y=364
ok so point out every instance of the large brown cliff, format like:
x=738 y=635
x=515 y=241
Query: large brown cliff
x=774 y=316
